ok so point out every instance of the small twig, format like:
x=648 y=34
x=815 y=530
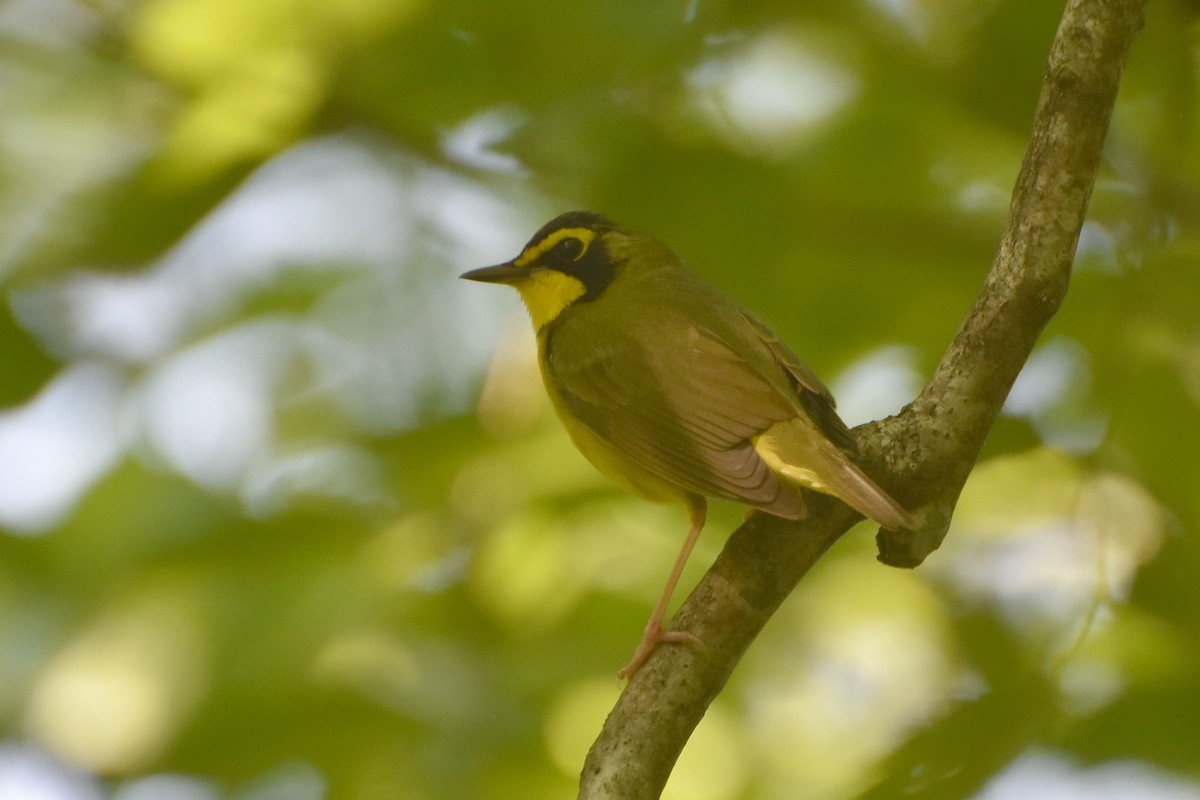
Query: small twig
x=926 y=451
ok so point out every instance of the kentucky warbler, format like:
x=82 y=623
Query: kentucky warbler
x=674 y=390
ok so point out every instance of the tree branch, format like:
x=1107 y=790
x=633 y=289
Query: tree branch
x=927 y=450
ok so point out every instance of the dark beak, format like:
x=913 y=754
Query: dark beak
x=500 y=273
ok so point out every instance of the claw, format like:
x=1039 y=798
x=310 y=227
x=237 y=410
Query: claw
x=650 y=640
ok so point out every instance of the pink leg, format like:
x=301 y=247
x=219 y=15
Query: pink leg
x=697 y=509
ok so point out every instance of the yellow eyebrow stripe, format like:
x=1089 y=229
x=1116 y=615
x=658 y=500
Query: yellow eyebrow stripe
x=531 y=254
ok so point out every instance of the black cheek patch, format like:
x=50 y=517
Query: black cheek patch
x=594 y=270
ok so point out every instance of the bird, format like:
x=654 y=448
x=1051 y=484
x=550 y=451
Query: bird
x=675 y=391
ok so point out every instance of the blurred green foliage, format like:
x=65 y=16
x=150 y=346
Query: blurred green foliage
x=285 y=514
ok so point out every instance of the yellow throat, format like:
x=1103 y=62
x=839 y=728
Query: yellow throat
x=547 y=292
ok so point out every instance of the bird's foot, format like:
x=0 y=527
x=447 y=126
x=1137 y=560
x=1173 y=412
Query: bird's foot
x=650 y=639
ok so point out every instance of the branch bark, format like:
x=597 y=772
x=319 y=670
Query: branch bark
x=927 y=450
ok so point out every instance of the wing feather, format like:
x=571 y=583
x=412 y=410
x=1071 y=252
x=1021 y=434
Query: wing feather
x=689 y=417
x=816 y=399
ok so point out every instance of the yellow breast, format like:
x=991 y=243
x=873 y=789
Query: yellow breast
x=602 y=455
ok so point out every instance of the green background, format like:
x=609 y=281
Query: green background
x=286 y=515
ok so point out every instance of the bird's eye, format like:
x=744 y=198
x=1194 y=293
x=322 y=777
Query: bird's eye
x=569 y=249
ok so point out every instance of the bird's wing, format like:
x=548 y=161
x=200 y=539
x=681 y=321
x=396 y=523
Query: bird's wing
x=812 y=394
x=687 y=414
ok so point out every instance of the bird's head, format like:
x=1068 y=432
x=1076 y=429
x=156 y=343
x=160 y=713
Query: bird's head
x=572 y=259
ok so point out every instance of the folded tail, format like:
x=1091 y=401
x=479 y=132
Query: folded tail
x=797 y=450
